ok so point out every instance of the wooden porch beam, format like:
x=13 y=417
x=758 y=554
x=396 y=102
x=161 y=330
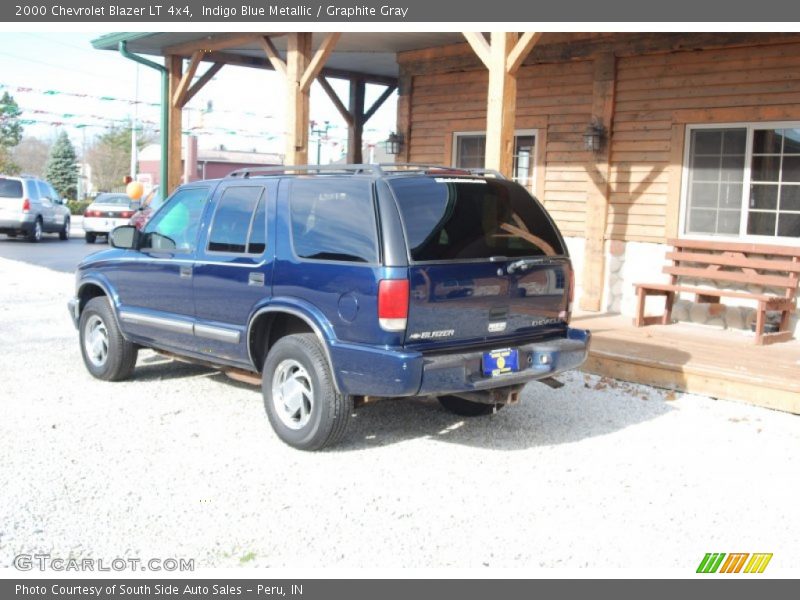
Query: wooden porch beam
x=319 y=59
x=337 y=102
x=204 y=79
x=278 y=64
x=379 y=102
x=216 y=41
x=521 y=50
x=178 y=98
x=480 y=46
x=255 y=62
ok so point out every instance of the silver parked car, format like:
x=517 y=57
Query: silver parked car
x=31 y=207
x=107 y=212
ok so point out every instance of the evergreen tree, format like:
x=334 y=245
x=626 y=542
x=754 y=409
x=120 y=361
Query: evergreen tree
x=61 y=169
x=10 y=132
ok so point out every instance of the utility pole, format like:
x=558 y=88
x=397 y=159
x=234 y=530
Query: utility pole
x=320 y=133
x=134 y=125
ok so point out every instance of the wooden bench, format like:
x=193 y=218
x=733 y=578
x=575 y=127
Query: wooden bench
x=776 y=267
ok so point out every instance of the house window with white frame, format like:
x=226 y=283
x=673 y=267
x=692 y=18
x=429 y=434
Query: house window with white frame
x=469 y=152
x=743 y=181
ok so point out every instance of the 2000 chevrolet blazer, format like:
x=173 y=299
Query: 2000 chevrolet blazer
x=338 y=284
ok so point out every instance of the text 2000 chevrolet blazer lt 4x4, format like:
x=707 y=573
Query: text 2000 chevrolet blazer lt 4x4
x=340 y=283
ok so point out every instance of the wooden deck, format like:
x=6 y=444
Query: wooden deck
x=695 y=358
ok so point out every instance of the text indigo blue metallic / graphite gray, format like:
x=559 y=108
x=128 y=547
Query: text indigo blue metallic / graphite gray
x=338 y=285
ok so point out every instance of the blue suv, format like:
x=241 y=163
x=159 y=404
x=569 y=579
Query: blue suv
x=333 y=286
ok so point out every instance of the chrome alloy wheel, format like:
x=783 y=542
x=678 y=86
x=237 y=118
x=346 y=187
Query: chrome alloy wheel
x=95 y=341
x=292 y=394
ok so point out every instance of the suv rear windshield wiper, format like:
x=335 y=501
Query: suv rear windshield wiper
x=524 y=263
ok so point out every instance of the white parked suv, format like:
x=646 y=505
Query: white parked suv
x=31 y=207
x=107 y=212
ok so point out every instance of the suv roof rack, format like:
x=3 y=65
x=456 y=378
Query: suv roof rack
x=377 y=170
x=439 y=169
x=283 y=169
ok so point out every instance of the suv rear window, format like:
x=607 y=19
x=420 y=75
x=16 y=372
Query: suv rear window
x=10 y=188
x=447 y=218
x=334 y=221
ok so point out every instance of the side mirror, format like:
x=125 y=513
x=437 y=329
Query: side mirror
x=124 y=237
x=58 y=201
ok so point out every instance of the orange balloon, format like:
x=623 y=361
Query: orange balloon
x=135 y=190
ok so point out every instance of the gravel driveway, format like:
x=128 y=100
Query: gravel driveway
x=181 y=462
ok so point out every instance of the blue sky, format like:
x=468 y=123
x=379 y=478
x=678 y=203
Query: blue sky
x=248 y=102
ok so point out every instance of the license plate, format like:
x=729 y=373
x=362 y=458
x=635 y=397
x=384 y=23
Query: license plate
x=498 y=362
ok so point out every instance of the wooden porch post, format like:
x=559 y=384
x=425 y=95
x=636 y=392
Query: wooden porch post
x=501 y=109
x=503 y=57
x=174 y=171
x=300 y=69
x=598 y=168
x=355 y=128
x=355 y=116
x=404 y=90
x=298 y=56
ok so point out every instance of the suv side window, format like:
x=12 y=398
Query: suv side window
x=175 y=226
x=44 y=191
x=236 y=221
x=334 y=222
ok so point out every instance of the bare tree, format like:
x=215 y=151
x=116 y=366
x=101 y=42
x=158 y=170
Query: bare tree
x=31 y=154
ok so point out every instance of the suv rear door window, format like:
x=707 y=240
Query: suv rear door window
x=233 y=223
x=448 y=218
x=10 y=188
x=334 y=222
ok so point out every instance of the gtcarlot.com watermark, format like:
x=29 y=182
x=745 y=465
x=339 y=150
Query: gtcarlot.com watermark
x=46 y=562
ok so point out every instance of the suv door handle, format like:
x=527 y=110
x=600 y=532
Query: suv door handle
x=255 y=279
x=186 y=272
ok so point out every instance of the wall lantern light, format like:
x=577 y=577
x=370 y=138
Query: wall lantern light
x=394 y=143
x=593 y=137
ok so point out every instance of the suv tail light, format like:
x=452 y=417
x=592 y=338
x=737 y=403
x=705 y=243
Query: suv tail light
x=393 y=304
x=26 y=205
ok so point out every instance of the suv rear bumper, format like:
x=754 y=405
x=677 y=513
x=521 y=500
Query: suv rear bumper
x=413 y=374
x=22 y=224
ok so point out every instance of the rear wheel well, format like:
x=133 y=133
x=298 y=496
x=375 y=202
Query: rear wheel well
x=268 y=328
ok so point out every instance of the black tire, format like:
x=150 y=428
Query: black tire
x=326 y=419
x=467 y=408
x=120 y=358
x=35 y=234
x=90 y=237
x=64 y=233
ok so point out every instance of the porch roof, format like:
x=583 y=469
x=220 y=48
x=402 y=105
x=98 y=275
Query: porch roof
x=369 y=54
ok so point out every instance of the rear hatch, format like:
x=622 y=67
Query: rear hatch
x=11 y=197
x=487 y=265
